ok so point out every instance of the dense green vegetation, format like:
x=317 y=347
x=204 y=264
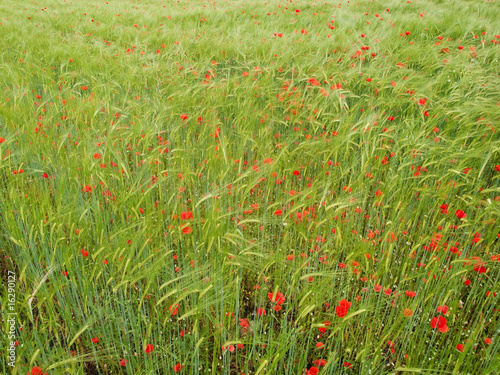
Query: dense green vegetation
x=236 y=187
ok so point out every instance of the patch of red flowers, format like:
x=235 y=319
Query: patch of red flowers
x=178 y=367
x=36 y=371
x=440 y=323
x=343 y=308
x=278 y=298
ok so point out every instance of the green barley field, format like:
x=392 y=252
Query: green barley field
x=250 y=187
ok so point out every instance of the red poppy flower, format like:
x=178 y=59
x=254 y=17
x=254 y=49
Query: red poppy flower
x=323 y=329
x=123 y=362
x=2 y=140
x=173 y=309
x=407 y=312
x=278 y=212
x=85 y=253
x=278 y=298
x=313 y=371
x=487 y=341
x=345 y=303
x=231 y=348
x=320 y=345
x=184 y=116
x=95 y=340
x=35 y=371
x=442 y=309
x=460 y=347
x=260 y=311
x=84 y=88
x=296 y=173
x=479 y=267
x=187 y=230
x=440 y=324
x=460 y=214
x=178 y=367
x=149 y=348
x=341 y=311
x=320 y=362
x=97 y=156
